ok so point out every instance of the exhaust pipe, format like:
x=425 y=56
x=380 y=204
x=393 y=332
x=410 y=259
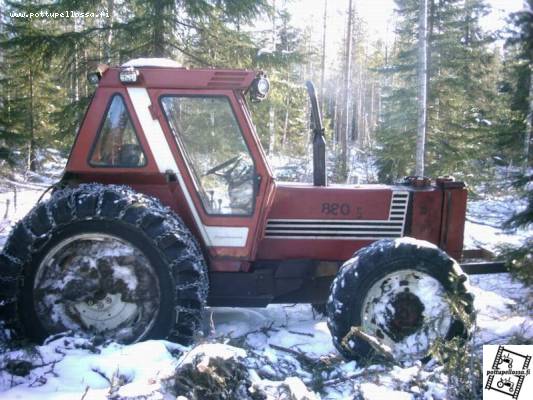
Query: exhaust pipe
x=319 y=143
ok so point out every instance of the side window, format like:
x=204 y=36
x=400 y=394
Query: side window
x=212 y=142
x=117 y=144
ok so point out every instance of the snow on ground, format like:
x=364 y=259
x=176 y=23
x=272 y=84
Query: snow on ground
x=485 y=219
x=284 y=348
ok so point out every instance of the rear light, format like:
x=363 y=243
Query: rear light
x=129 y=75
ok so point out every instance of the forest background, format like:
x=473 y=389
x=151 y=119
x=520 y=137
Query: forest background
x=476 y=101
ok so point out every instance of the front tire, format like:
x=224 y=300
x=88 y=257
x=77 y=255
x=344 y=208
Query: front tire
x=406 y=293
x=103 y=260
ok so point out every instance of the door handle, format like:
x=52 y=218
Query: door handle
x=170 y=176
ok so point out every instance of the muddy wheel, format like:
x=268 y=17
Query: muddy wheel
x=103 y=260
x=405 y=293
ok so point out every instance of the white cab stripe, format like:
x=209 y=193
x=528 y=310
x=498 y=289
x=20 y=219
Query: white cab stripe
x=335 y=237
x=338 y=226
x=212 y=235
x=152 y=131
x=271 y=232
x=333 y=221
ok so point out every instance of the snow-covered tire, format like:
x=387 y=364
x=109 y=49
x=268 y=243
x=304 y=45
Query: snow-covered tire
x=96 y=249
x=406 y=293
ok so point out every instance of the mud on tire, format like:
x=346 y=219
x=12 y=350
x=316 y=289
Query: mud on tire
x=402 y=292
x=172 y=275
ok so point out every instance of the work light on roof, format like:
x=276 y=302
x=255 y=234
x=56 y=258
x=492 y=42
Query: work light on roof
x=129 y=75
x=263 y=86
x=259 y=88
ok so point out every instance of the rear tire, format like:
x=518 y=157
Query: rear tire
x=103 y=260
x=405 y=293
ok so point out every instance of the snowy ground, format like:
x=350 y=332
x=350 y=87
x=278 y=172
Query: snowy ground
x=286 y=350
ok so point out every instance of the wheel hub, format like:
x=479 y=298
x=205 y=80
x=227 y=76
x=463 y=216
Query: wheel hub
x=408 y=315
x=407 y=311
x=97 y=283
x=106 y=313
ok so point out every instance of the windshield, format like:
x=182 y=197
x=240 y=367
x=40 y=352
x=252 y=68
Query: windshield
x=217 y=155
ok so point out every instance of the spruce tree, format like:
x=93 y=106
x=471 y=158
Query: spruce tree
x=461 y=93
x=516 y=122
x=63 y=50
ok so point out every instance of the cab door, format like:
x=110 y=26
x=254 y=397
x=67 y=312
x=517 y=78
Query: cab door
x=221 y=172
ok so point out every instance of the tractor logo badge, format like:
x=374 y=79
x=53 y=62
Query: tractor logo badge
x=509 y=371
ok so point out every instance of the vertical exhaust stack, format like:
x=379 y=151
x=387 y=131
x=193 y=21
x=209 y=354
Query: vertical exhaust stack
x=319 y=143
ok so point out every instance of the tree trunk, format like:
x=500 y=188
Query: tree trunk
x=335 y=118
x=422 y=88
x=361 y=108
x=158 y=44
x=273 y=25
x=529 y=124
x=285 y=124
x=32 y=164
x=343 y=170
x=109 y=34
x=323 y=61
x=467 y=23
x=271 y=130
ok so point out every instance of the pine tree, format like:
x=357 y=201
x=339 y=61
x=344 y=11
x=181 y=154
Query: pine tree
x=517 y=122
x=30 y=88
x=516 y=125
x=280 y=120
x=461 y=93
x=395 y=135
x=63 y=50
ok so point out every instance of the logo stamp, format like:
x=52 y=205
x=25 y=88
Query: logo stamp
x=506 y=371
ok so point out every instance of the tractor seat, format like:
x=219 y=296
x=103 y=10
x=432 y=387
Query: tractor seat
x=130 y=155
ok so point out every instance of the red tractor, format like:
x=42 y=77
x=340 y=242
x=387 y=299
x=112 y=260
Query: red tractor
x=167 y=204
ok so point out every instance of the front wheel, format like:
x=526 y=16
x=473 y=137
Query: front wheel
x=405 y=293
x=96 y=282
x=103 y=260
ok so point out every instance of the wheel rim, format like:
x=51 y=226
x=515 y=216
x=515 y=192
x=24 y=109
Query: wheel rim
x=98 y=284
x=407 y=310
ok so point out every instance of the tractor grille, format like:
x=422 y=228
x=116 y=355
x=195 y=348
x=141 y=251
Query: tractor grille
x=392 y=227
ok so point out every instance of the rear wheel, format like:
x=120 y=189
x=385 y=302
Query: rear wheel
x=104 y=260
x=405 y=293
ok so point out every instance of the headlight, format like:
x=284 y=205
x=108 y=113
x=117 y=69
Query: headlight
x=259 y=89
x=263 y=86
x=93 y=78
x=129 y=75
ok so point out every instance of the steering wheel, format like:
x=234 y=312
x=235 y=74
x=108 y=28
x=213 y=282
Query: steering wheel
x=223 y=165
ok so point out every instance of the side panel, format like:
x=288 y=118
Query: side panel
x=453 y=221
x=330 y=223
x=426 y=215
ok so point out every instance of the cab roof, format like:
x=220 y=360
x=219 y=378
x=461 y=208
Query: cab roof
x=162 y=73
